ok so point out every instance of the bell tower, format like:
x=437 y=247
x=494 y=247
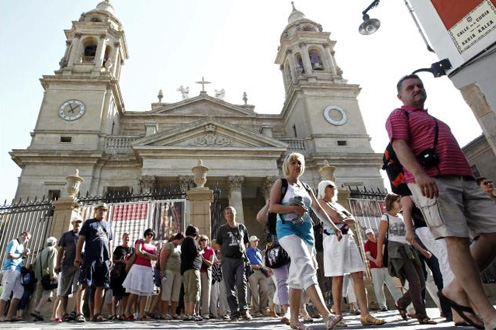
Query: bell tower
x=82 y=103
x=321 y=107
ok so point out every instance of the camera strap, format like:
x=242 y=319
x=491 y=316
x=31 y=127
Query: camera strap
x=436 y=133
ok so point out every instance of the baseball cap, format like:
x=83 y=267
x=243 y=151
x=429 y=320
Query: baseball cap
x=369 y=231
x=76 y=218
x=51 y=240
x=254 y=238
x=101 y=205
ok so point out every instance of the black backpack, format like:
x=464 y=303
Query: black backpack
x=394 y=170
x=272 y=217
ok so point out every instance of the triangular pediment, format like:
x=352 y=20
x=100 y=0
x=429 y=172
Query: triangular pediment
x=204 y=105
x=209 y=133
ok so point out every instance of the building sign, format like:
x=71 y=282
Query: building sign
x=467 y=23
x=458 y=30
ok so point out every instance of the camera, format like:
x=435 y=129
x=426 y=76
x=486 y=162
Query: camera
x=295 y=218
x=428 y=158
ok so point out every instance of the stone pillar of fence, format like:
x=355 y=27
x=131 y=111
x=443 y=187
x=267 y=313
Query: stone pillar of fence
x=200 y=199
x=66 y=206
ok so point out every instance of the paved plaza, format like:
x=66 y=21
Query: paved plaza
x=392 y=317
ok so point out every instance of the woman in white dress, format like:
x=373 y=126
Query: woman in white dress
x=342 y=257
x=139 y=281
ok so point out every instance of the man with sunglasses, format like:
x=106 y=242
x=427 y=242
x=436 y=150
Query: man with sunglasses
x=487 y=186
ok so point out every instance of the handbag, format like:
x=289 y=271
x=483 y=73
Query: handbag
x=46 y=281
x=276 y=256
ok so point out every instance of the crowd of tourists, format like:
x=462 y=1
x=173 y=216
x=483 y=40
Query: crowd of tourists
x=437 y=224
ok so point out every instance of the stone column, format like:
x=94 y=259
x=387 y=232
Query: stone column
x=292 y=66
x=146 y=183
x=200 y=199
x=115 y=58
x=76 y=45
x=235 y=196
x=329 y=58
x=65 y=207
x=267 y=186
x=100 y=52
x=305 y=57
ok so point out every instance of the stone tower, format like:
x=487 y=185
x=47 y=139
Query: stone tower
x=321 y=107
x=82 y=103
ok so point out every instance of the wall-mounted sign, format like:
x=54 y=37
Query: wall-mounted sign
x=476 y=20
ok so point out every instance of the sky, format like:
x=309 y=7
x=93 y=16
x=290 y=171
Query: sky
x=232 y=43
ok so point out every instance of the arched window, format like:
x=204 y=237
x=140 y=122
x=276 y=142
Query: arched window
x=308 y=28
x=90 y=45
x=315 y=60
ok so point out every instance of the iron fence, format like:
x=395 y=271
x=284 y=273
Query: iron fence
x=33 y=216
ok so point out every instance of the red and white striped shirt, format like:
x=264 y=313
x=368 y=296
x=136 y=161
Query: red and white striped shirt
x=418 y=130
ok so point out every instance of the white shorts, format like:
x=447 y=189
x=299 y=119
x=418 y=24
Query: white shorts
x=11 y=283
x=302 y=272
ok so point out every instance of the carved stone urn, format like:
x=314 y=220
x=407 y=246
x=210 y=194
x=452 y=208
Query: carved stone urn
x=327 y=171
x=73 y=183
x=200 y=173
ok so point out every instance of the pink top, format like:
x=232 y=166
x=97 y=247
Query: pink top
x=208 y=252
x=418 y=130
x=150 y=248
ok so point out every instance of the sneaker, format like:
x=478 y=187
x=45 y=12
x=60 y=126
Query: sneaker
x=188 y=318
x=197 y=318
x=258 y=314
x=384 y=309
x=167 y=317
x=176 y=317
x=234 y=319
x=226 y=317
x=266 y=312
x=205 y=317
x=247 y=316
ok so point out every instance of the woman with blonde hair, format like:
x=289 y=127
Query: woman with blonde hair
x=342 y=257
x=295 y=234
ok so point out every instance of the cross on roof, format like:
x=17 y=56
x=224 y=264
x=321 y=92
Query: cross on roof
x=203 y=83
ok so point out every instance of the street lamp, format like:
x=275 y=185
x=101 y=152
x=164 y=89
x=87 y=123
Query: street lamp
x=369 y=25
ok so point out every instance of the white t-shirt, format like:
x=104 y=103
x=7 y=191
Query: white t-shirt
x=397 y=228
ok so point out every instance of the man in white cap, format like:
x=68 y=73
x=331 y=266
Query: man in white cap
x=95 y=267
x=380 y=275
x=259 y=286
x=44 y=265
x=69 y=275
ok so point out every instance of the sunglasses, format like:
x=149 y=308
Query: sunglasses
x=487 y=182
x=150 y=234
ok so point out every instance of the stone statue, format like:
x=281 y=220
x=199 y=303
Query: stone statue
x=184 y=91
x=220 y=94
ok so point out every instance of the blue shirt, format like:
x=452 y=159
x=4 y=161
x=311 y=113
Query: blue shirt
x=255 y=256
x=16 y=247
x=304 y=230
x=97 y=235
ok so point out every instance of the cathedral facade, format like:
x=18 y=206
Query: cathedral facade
x=83 y=124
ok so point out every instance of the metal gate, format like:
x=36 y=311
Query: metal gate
x=34 y=217
x=216 y=213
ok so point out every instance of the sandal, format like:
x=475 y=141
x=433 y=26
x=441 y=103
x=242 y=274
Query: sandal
x=129 y=318
x=341 y=324
x=426 y=320
x=402 y=311
x=461 y=310
x=99 y=318
x=308 y=319
x=57 y=320
x=66 y=317
x=80 y=318
x=370 y=320
x=143 y=318
x=332 y=321
x=300 y=326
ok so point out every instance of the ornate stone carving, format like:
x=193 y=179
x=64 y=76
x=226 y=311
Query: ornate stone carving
x=184 y=91
x=185 y=182
x=200 y=172
x=73 y=183
x=234 y=183
x=327 y=171
x=77 y=35
x=267 y=185
x=220 y=94
x=147 y=183
x=210 y=138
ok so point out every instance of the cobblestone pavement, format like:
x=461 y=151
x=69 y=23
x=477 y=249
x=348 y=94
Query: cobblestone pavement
x=392 y=317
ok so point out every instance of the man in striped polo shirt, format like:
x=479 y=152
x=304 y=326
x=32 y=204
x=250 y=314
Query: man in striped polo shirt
x=444 y=189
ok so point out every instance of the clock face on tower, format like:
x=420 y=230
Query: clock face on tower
x=71 y=110
x=335 y=115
